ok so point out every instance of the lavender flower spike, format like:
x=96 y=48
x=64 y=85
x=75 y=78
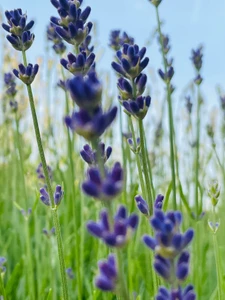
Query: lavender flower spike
x=20 y=36
x=106 y=280
x=91 y=125
x=105 y=188
x=86 y=91
x=90 y=156
x=26 y=74
x=121 y=230
x=131 y=61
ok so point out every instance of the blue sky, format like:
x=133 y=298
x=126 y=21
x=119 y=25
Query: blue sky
x=188 y=23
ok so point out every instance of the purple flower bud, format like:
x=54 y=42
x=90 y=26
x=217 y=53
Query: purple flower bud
x=142 y=205
x=58 y=195
x=44 y=196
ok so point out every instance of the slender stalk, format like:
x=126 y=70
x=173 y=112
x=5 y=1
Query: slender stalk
x=143 y=189
x=218 y=263
x=30 y=268
x=49 y=187
x=170 y=114
x=197 y=153
x=122 y=291
x=145 y=167
x=75 y=206
x=2 y=288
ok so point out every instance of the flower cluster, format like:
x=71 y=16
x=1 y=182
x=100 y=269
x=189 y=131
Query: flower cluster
x=2 y=267
x=117 y=39
x=131 y=85
x=168 y=72
x=143 y=206
x=104 y=186
x=90 y=156
x=20 y=36
x=116 y=234
x=11 y=91
x=58 y=195
x=71 y=24
x=196 y=58
x=49 y=233
x=80 y=64
x=171 y=258
x=106 y=280
x=40 y=172
x=26 y=74
x=58 y=44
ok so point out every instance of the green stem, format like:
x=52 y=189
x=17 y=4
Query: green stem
x=30 y=274
x=122 y=291
x=2 y=288
x=76 y=207
x=170 y=114
x=137 y=159
x=197 y=153
x=49 y=187
x=145 y=167
x=218 y=267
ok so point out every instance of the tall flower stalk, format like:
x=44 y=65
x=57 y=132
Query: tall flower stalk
x=21 y=39
x=166 y=75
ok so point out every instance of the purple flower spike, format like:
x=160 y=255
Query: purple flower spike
x=104 y=188
x=169 y=244
x=137 y=108
x=131 y=61
x=166 y=76
x=142 y=205
x=26 y=74
x=90 y=156
x=80 y=64
x=106 y=280
x=121 y=230
x=40 y=172
x=58 y=45
x=186 y=294
x=20 y=37
x=86 y=91
x=71 y=24
x=196 y=57
x=91 y=125
x=118 y=39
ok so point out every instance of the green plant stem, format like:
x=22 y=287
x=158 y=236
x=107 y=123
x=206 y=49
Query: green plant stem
x=145 y=167
x=122 y=291
x=170 y=114
x=2 y=288
x=197 y=153
x=49 y=187
x=218 y=262
x=30 y=274
x=140 y=173
x=76 y=207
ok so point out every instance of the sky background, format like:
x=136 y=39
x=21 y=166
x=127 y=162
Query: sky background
x=188 y=23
